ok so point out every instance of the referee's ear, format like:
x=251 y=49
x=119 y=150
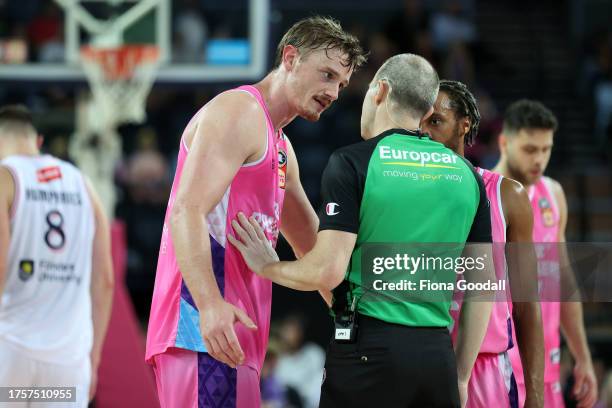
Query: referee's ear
x=382 y=91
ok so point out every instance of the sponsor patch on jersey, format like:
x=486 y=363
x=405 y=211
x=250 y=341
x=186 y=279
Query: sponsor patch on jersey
x=26 y=269
x=48 y=174
x=282 y=158
x=282 y=168
x=555 y=356
x=548 y=217
x=546 y=212
x=332 y=209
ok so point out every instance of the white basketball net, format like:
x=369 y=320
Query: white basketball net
x=120 y=79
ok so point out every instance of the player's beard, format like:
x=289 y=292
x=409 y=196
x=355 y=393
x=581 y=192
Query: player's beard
x=517 y=174
x=309 y=114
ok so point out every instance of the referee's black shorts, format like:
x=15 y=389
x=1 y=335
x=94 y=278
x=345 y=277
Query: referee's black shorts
x=391 y=366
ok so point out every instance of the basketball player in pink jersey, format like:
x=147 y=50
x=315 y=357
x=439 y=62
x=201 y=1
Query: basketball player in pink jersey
x=210 y=315
x=525 y=144
x=455 y=123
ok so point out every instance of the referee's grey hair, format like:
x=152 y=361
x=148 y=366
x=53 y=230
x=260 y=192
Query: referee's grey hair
x=414 y=83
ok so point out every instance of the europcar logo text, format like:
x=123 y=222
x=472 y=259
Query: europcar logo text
x=417 y=159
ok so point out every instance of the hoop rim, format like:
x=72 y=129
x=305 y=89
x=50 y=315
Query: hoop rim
x=120 y=62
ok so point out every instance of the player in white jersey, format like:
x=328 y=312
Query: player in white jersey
x=55 y=271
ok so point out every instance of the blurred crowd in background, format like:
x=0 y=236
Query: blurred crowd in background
x=557 y=51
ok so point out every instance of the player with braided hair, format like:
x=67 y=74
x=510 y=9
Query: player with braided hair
x=462 y=104
x=455 y=123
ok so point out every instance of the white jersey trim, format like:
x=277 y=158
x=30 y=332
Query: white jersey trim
x=548 y=185
x=505 y=369
x=501 y=207
x=217 y=220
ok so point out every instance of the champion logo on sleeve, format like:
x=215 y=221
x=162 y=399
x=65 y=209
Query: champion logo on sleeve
x=332 y=208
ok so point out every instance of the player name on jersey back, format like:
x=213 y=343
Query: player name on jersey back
x=64 y=197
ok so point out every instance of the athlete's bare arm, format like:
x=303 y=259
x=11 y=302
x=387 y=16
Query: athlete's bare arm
x=321 y=269
x=474 y=317
x=522 y=271
x=7 y=194
x=572 y=323
x=229 y=132
x=299 y=221
x=102 y=282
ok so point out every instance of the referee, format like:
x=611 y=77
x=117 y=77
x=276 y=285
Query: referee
x=397 y=186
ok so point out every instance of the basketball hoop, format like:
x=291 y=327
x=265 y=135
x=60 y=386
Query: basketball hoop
x=120 y=79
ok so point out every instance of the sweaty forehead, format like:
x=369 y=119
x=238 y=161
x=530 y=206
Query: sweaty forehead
x=332 y=57
x=443 y=102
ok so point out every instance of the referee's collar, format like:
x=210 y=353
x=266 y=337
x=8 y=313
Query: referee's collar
x=415 y=133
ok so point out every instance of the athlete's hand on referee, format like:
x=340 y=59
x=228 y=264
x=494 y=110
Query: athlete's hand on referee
x=255 y=248
x=217 y=322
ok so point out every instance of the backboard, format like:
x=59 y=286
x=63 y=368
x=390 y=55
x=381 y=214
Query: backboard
x=199 y=41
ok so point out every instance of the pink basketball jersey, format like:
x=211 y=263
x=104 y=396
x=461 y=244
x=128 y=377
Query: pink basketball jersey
x=498 y=337
x=257 y=189
x=545 y=235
